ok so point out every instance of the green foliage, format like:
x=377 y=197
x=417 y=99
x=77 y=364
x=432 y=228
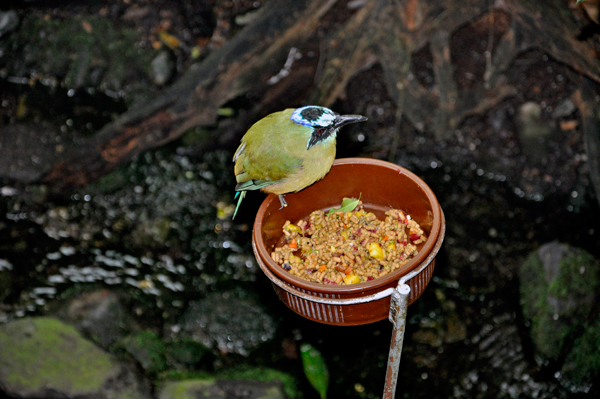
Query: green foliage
x=348 y=205
x=315 y=368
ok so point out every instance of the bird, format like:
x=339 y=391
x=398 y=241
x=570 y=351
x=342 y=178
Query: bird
x=287 y=151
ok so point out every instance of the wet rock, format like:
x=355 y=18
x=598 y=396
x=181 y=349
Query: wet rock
x=99 y=315
x=232 y=321
x=448 y=328
x=559 y=286
x=221 y=389
x=161 y=68
x=533 y=132
x=27 y=151
x=42 y=357
x=151 y=233
x=580 y=368
x=186 y=353
x=5 y=277
x=9 y=20
x=78 y=52
x=147 y=349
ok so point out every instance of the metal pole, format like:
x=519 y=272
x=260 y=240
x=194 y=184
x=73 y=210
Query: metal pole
x=398 y=310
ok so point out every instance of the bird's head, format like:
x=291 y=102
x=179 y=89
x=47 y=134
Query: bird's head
x=324 y=122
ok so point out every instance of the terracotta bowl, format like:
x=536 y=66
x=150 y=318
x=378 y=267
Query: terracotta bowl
x=382 y=185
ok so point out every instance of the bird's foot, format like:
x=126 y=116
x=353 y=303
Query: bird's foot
x=282 y=201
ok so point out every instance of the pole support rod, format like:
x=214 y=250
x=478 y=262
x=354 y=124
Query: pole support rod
x=398 y=311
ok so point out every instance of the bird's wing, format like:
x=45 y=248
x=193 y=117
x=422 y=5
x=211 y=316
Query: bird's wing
x=239 y=151
x=270 y=151
x=252 y=185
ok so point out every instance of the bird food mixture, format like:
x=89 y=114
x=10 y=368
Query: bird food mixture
x=348 y=247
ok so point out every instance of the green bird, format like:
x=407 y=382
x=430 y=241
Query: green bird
x=288 y=151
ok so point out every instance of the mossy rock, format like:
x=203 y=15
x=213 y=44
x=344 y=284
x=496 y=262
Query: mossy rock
x=559 y=296
x=43 y=357
x=253 y=382
x=156 y=356
x=147 y=349
x=221 y=389
x=99 y=314
x=187 y=353
x=582 y=364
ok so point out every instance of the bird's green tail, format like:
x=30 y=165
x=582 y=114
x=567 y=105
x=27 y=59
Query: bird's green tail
x=241 y=194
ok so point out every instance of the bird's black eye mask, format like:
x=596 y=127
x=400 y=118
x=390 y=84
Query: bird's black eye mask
x=319 y=134
x=322 y=120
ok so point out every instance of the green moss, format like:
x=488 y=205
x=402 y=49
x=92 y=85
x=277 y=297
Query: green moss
x=265 y=374
x=186 y=352
x=43 y=352
x=560 y=308
x=579 y=273
x=290 y=385
x=184 y=389
x=580 y=366
x=147 y=349
x=182 y=375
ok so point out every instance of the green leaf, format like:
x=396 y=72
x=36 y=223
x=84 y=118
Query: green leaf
x=580 y=1
x=348 y=205
x=315 y=368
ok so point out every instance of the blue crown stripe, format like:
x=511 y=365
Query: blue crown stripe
x=313 y=116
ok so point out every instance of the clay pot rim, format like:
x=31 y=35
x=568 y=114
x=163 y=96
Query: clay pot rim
x=367 y=286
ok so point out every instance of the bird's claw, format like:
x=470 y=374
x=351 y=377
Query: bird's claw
x=283 y=202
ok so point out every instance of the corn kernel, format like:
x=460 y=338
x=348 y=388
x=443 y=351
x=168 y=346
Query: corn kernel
x=375 y=250
x=293 y=228
x=352 y=279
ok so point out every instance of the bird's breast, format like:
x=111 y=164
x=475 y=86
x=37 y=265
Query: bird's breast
x=315 y=165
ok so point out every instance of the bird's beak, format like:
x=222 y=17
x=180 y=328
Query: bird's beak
x=342 y=120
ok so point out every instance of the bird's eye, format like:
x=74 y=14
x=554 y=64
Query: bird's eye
x=321 y=130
